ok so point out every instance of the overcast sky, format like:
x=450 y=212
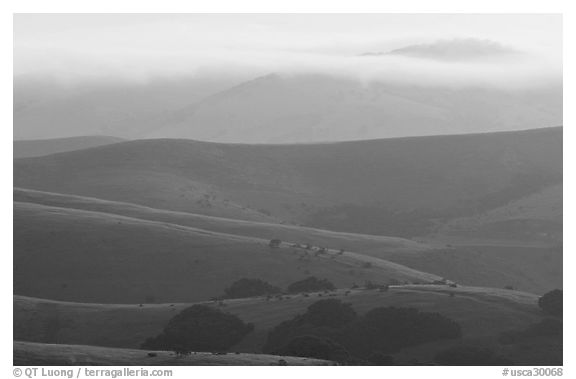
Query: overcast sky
x=72 y=46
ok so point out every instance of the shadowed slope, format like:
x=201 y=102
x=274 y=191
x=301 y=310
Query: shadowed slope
x=386 y=187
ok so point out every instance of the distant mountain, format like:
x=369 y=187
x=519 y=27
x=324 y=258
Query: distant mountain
x=319 y=108
x=454 y=50
x=38 y=148
x=397 y=187
x=45 y=108
x=278 y=108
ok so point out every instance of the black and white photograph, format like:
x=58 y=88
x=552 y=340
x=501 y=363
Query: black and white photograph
x=287 y=189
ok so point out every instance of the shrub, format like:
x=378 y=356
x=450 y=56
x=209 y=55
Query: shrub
x=328 y=318
x=381 y=330
x=330 y=312
x=552 y=303
x=200 y=328
x=310 y=284
x=249 y=288
x=275 y=242
x=388 y=329
x=369 y=285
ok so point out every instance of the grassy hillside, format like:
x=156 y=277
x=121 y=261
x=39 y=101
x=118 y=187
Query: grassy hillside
x=537 y=216
x=536 y=269
x=482 y=313
x=369 y=244
x=530 y=268
x=385 y=187
x=38 y=148
x=78 y=255
x=37 y=354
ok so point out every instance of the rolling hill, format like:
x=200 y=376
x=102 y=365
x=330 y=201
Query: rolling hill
x=482 y=313
x=38 y=148
x=377 y=246
x=78 y=255
x=35 y=354
x=537 y=216
x=385 y=187
x=47 y=108
x=280 y=108
x=525 y=266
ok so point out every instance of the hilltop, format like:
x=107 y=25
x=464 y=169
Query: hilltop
x=395 y=187
x=41 y=147
x=482 y=313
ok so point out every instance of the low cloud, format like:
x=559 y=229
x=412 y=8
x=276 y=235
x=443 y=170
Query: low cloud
x=76 y=48
x=510 y=71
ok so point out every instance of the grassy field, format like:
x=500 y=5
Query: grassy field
x=480 y=262
x=37 y=354
x=74 y=255
x=536 y=269
x=481 y=312
x=368 y=244
x=536 y=217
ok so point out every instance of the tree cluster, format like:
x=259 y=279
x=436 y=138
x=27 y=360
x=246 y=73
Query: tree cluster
x=200 y=328
x=368 y=338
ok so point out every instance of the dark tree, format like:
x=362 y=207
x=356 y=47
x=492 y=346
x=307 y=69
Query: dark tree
x=388 y=329
x=469 y=356
x=275 y=243
x=381 y=330
x=249 y=288
x=552 y=303
x=314 y=347
x=310 y=284
x=200 y=328
x=330 y=312
x=329 y=319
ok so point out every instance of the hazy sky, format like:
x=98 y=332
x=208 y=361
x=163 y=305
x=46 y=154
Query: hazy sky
x=138 y=46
